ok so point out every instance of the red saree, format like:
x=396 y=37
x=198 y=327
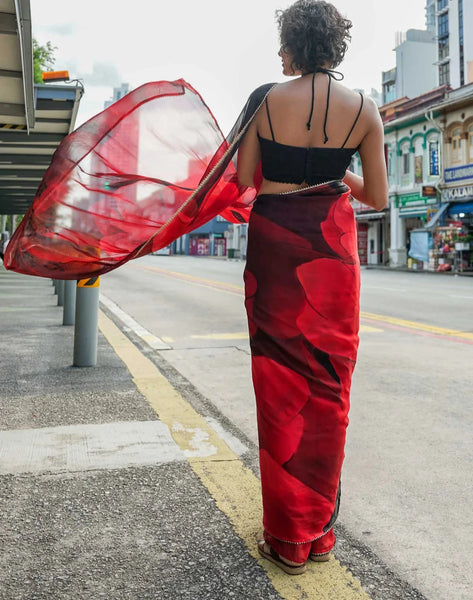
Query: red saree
x=148 y=169
x=302 y=301
x=154 y=166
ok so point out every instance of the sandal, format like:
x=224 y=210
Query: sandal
x=274 y=557
x=324 y=557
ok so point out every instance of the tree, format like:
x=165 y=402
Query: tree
x=43 y=59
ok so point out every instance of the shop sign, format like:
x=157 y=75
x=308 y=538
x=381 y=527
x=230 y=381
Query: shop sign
x=434 y=158
x=458 y=173
x=429 y=191
x=459 y=194
x=414 y=200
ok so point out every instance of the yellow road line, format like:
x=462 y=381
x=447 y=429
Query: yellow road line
x=243 y=335
x=230 y=288
x=200 y=281
x=419 y=326
x=369 y=329
x=235 y=488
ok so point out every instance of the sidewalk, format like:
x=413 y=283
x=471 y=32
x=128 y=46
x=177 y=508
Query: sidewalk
x=100 y=498
x=97 y=499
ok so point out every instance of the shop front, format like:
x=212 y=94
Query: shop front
x=457 y=240
x=199 y=244
x=372 y=234
x=415 y=209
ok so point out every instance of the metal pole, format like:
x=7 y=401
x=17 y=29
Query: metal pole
x=86 y=325
x=12 y=224
x=60 y=292
x=69 y=311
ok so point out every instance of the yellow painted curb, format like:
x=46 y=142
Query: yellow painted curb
x=235 y=488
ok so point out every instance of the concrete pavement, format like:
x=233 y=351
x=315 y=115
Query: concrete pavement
x=112 y=485
x=97 y=500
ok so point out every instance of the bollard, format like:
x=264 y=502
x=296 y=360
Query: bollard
x=60 y=292
x=86 y=322
x=69 y=311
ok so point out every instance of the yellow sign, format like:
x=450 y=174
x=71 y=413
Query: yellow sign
x=91 y=282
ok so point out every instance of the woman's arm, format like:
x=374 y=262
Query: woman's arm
x=372 y=188
x=248 y=156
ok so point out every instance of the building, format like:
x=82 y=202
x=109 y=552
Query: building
x=415 y=71
x=430 y=20
x=429 y=151
x=118 y=92
x=454 y=30
x=452 y=244
x=413 y=141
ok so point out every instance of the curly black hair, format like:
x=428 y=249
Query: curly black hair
x=314 y=33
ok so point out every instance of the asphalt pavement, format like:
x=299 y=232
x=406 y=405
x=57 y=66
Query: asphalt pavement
x=87 y=511
x=113 y=485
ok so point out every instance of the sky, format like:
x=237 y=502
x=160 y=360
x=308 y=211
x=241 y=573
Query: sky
x=223 y=49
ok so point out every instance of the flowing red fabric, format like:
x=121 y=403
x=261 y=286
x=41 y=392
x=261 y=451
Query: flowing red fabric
x=302 y=301
x=150 y=168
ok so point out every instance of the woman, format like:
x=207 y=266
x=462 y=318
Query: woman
x=302 y=277
x=136 y=177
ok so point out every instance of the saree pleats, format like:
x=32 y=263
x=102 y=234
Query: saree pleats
x=302 y=301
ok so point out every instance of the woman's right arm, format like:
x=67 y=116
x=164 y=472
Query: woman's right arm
x=372 y=188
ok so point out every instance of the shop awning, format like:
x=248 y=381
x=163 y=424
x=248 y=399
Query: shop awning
x=460 y=207
x=434 y=221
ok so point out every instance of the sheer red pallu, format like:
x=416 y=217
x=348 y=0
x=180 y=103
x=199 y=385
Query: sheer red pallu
x=155 y=166
x=132 y=179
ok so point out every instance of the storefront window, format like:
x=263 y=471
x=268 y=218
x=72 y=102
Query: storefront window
x=418 y=162
x=433 y=158
x=405 y=160
x=456 y=145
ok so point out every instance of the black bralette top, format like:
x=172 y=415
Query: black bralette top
x=294 y=164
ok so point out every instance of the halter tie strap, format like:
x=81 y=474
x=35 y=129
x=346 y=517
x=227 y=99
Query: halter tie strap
x=331 y=74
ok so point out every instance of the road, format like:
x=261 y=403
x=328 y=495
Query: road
x=407 y=477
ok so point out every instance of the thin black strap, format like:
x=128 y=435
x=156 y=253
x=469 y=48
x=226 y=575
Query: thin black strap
x=312 y=103
x=269 y=118
x=355 y=122
x=326 y=110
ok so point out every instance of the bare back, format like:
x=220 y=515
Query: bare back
x=290 y=110
x=285 y=117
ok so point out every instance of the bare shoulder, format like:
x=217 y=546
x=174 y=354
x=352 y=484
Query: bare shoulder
x=371 y=107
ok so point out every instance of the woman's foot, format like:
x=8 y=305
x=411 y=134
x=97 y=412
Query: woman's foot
x=289 y=567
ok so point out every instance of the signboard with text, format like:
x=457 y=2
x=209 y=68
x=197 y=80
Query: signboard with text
x=459 y=194
x=458 y=173
x=414 y=200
